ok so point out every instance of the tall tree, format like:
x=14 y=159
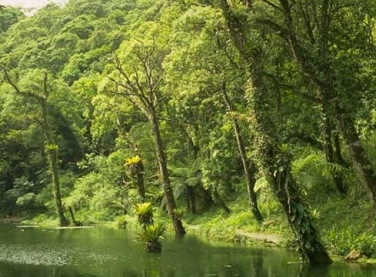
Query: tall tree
x=333 y=65
x=41 y=96
x=249 y=166
x=273 y=153
x=212 y=72
x=139 y=77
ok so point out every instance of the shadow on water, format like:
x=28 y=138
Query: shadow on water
x=339 y=269
x=99 y=252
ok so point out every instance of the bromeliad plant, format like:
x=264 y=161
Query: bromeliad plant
x=145 y=214
x=152 y=235
x=151 y=232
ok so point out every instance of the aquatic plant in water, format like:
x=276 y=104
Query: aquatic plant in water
x=151 y=232
x=152 y=235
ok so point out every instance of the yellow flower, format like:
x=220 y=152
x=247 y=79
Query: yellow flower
x=134 y=160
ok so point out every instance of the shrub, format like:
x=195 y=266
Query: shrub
x=342 y=242
x=121 y=222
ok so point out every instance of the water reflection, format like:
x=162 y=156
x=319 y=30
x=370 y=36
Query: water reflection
x=339 y=269
x=113 y=253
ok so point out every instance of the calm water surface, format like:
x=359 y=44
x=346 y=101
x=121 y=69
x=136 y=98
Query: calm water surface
x=99 y=252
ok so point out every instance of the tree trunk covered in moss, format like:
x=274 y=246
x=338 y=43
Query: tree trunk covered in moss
x=153 y=247
x=276 y=164
x=275 y=161
x=166 y=184
x=318 y=66
x=52 y=157
x=51 y=148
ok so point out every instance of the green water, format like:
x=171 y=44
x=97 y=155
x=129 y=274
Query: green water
x=100 y=252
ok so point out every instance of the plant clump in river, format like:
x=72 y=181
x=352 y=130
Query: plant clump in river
x=151 y=232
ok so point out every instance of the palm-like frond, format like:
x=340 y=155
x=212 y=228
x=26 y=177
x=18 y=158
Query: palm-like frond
x=152 y=233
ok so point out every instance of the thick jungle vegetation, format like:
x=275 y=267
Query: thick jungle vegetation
x=260 y=108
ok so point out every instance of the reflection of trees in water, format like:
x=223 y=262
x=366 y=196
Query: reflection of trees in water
x=338 y=269
x=127 y=273
x=56 y=272
x=258 y=263
x=151 y=273
x=158 y=273
x=21 y=270
x=304 y=270
x=254 y=268
x=106 y=253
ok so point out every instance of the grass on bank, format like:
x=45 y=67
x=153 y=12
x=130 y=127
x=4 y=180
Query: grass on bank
x=345 y=224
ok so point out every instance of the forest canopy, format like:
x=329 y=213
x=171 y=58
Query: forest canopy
x=190 y=105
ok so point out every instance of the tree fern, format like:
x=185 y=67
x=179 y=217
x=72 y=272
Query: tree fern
x=311 y=171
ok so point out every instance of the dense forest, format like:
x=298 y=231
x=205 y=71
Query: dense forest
x=192 y=105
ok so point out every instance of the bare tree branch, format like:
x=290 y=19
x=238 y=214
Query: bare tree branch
x=9 y=80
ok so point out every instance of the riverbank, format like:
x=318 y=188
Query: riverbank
x=344 y=226
x=11 y=220
x=347 y=231
x=113 y=252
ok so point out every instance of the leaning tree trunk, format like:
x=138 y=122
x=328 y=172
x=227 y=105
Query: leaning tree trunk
x=321 y=72
x=166 y=184
x=71 y=212
x=248 y=166
x=297 y=211
x=275 y=162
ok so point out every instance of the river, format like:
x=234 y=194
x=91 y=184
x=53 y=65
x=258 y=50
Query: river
x=102 y=252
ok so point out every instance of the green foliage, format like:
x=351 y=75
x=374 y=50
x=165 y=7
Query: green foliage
x=151 y=232
x=52 y=147
x=341 y=242
x=23 y=192
x=181 y=177
x=145 y=214
x=313 y=172
x=267 y=200
x=151 y=235
x=186 y=51
x=121 y=222
x=8 y=17
x=97 y=197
